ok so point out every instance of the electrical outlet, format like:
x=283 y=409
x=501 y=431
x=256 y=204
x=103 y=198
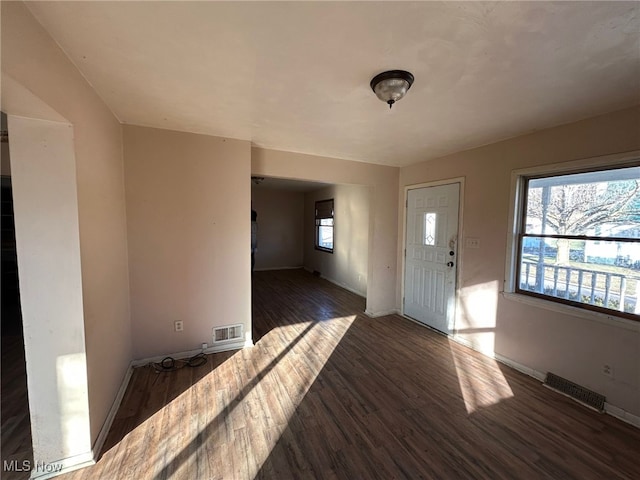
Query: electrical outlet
x=178 y=326
x=472 y=242
x=204 y=346
x=607 y=370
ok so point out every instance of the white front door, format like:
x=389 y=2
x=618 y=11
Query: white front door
x=431 y=252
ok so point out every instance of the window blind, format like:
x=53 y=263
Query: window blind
x=324 y=209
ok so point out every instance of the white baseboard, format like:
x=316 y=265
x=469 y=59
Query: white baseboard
x=609 y=409
x=106 y=426
x=500 y=358
x=383 y=313
x=339 y=284
x=623 y=415
x=222 y=347
x=346 y=287
x=519 y=367
x=268 y=269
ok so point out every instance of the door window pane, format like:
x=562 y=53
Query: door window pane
x=429 y=228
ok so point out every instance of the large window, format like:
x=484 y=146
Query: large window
x=324 y=225
x=579 y=239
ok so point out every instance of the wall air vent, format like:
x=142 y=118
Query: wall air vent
x=577 y=392
x=229 y=332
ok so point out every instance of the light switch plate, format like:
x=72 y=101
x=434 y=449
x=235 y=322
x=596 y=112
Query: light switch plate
x=472 y=242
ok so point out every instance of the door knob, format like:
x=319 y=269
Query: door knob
x=449 y=264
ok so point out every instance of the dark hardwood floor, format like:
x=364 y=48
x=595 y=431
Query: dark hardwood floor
x=15 y=424
x=14 y=407
x=327 y=392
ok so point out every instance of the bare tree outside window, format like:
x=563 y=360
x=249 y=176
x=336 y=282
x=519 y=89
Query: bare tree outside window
x=580 y=238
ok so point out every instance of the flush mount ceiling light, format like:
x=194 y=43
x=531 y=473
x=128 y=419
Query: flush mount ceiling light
x=391 y=86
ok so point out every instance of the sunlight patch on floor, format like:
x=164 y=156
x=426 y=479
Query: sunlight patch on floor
x=302 y=364
x=481 y=381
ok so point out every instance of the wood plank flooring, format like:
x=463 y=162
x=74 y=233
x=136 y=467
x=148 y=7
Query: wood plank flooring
x=327 y=392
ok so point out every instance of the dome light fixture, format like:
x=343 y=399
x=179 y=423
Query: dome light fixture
x=392 y=85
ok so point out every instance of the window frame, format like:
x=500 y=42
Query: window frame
x=517 y=229
x=319 y=216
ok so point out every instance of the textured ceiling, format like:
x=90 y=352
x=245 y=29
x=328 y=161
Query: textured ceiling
x=295 y=75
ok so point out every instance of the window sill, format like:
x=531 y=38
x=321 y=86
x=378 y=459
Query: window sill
x=607 y=319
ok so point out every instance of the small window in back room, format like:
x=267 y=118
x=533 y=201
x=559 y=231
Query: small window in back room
x=324 y=225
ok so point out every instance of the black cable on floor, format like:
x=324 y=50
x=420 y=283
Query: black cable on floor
x=170 y=364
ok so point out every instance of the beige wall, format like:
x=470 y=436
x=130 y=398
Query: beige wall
x=188 y=205
x=537 y=338
x=280 y=227
x=347 y=265
x=33 y=64
x=383 y=210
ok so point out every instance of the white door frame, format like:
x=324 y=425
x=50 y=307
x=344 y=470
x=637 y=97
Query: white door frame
x=459 y=253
